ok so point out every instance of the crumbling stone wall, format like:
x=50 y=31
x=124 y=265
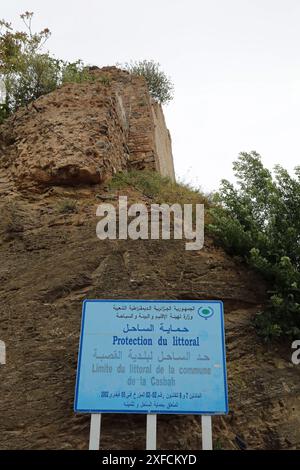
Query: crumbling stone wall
x=163 y=143
x=84 y=133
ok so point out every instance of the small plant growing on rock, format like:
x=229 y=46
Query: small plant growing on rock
x=67 y=206
x=160 y=86
x=74 y=72
x=11 y=225
x=104 y=80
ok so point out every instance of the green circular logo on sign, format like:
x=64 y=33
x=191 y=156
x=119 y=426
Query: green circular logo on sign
x=206 y=312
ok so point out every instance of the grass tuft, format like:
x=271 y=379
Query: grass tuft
x=67 y=206
x=159 y=188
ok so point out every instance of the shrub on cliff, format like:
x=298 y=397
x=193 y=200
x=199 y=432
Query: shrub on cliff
x=159 y=85
x=26 y=71
x=260 y=221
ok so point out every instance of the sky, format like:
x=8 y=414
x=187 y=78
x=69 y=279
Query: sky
x=235 y=65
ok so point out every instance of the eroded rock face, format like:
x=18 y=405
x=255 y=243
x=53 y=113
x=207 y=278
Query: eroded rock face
x=66 y=144
x=84 y=133
x=51 y=261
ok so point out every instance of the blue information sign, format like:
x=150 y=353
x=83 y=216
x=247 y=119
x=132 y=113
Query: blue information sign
x=152 y=356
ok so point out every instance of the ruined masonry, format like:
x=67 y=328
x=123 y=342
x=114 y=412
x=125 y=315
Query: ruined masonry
x=84 y=133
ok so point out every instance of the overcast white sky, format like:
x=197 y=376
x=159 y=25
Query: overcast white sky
x=235 y=65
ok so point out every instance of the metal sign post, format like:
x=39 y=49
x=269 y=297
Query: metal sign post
x=151 y=432
x=206 y=432
x=95 y=431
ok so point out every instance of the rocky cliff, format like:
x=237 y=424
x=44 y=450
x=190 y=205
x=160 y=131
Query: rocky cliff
x=63 y=148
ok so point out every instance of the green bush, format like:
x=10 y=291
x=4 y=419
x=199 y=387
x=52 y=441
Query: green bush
x=26 y=71
x=159 y=85
x=260 y=221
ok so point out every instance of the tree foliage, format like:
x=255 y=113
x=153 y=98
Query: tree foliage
x=26 y=71
x=260 y=221
x=159 y=85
